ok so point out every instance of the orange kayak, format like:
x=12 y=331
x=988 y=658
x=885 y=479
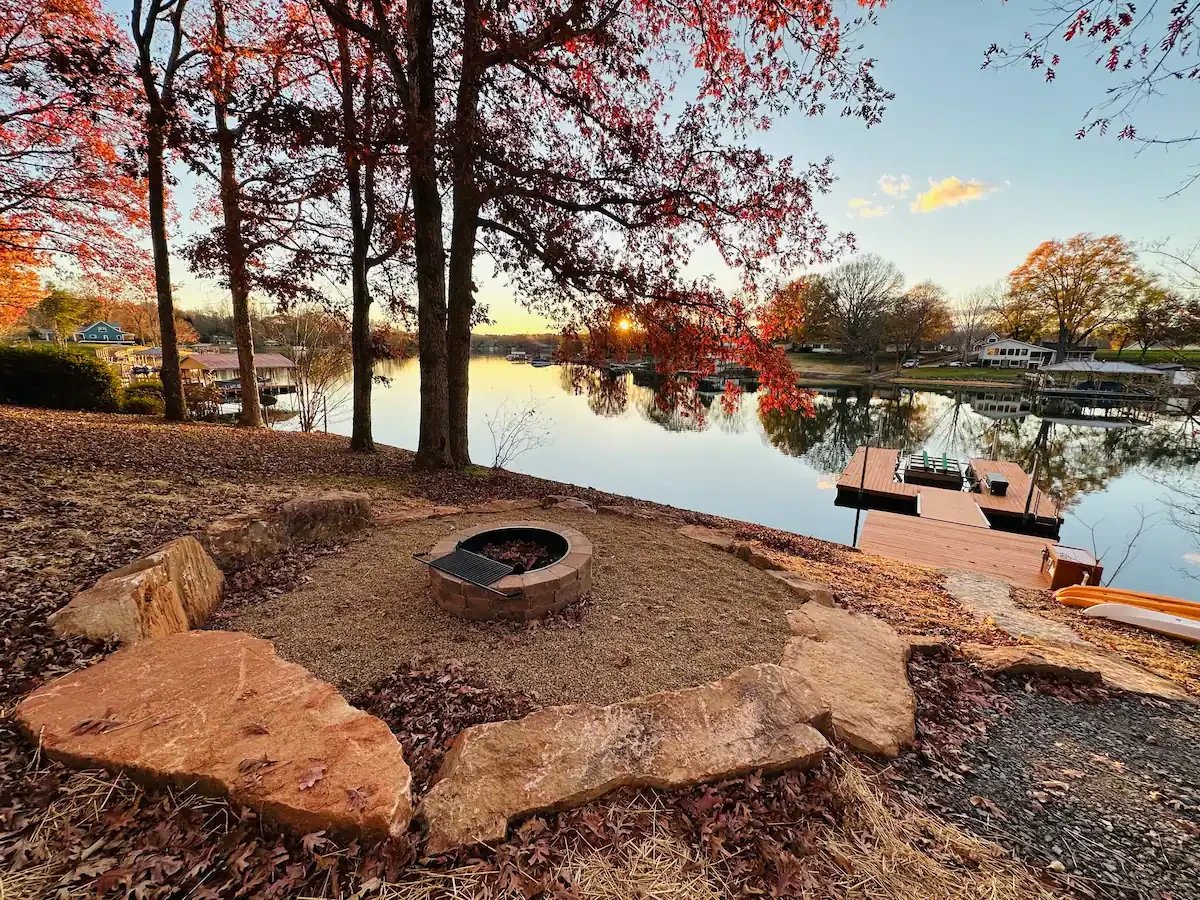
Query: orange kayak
x=1083 y=596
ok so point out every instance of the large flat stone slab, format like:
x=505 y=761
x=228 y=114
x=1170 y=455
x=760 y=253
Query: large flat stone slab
x=714 y=537
x=1074 y=663
x=219 y=710
x=170 y=590
x=804 y=588
x=757 y=718
x=859 y=666
x=239 y=540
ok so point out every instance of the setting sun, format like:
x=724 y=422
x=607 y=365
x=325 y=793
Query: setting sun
x=624 y=325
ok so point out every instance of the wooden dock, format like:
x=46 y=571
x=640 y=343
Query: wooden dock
x=880 y=480
x=1014 y=558
x=942 y=504
x=1013 y=503
x=957 y=507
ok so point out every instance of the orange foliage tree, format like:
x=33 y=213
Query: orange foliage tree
x=66 y=190
x=1080 y=284
x=20 y=288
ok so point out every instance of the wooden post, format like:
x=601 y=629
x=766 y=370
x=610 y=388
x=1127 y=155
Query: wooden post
x=1032 y=485
x=863 y=475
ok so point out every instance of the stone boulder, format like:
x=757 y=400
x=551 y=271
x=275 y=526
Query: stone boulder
x=563 y=756
x=859 y=666
x=173 y=589
x=239 y=540
x=751 y=554
x=1071 y=662
x=219 y=710
x=811 y=591
x=714 y=537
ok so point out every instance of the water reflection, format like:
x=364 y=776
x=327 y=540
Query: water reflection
x=1075 y=452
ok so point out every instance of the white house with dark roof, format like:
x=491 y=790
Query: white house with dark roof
x=1009 y=353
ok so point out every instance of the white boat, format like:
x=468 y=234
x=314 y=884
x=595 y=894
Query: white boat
x=541 y=362
x=517 y=356
x=1149 y=619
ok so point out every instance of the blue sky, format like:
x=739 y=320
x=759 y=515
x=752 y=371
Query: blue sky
x=1004 y=130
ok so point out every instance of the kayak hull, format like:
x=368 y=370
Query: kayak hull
x=1085 y=596
x=1148 y=619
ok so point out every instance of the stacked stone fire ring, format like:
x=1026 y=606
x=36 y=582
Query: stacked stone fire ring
x=562 y=576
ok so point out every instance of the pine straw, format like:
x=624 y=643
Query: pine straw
x=880 y=844
x=883 y=846
x=656 y=865
x=895 y=849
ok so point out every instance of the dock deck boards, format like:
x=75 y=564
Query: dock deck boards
x=880 y=481
x=1015 y=558
x=957 y=507
x=1012 y=503
x=881 y=474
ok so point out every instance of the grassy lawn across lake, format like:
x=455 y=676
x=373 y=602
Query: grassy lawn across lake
x=959 y=373
x=1134 y=355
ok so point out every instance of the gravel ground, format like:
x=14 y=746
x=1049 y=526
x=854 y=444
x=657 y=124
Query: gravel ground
x=1105 y=792
x=665 y=612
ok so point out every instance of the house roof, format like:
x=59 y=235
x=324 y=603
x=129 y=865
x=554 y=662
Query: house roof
x=1101 y=366
x=1011 y=341
x=115 y=326
x=230 y=360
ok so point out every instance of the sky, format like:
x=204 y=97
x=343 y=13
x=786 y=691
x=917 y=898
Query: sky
x=969 y=170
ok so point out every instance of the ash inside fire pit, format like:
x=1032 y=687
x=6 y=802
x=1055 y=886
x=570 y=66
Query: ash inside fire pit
x=525 y=549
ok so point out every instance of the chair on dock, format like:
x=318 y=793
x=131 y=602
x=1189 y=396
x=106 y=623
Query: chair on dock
x=923 y=469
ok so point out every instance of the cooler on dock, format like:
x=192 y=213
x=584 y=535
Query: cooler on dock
x=997 y=484
x=1066 y=566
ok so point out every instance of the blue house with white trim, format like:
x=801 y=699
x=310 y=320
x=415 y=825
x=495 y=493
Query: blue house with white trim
x=103 y=333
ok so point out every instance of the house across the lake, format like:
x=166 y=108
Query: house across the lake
x=273 y=369
x=103 y=333
x=1009 y=353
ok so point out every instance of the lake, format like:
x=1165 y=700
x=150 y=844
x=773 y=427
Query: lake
x=618 y=435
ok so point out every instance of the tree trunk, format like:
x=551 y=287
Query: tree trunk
x=1060 y=355
x=235 y=245
x=175 y=409
x=433 y=444
x=362 y=362
x=462 y=240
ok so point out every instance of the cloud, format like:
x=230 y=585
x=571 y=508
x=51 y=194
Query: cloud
x=894 y=185
x=1193 y=558
x=863 y=208
x=950 y=191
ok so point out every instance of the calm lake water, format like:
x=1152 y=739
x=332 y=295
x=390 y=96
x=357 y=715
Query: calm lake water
x=616 y=435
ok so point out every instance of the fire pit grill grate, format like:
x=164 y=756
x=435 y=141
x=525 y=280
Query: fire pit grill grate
x=469 y=567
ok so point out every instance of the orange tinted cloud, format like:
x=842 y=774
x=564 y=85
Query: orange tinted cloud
x=950 y=191
x=863 y=208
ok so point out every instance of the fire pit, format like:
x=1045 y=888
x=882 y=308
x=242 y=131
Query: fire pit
x=551 y=567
